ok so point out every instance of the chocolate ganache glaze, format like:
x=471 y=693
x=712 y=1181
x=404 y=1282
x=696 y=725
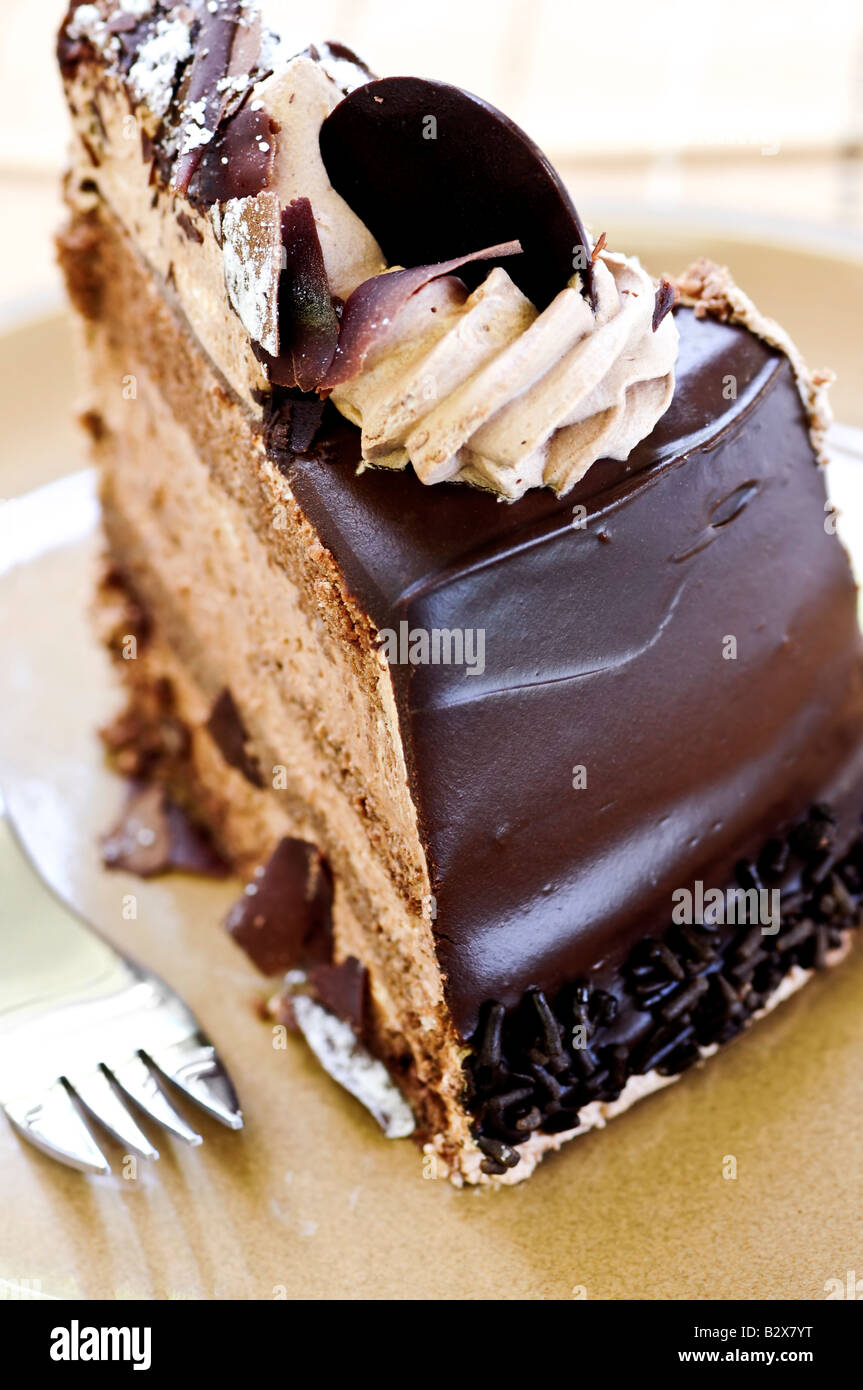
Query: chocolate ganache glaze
x=689 y=639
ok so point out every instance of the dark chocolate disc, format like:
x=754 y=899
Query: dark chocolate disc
x=435 y=172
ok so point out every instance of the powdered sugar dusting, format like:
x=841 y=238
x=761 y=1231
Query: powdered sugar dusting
x=153 y=73
x=196 y=133
x=87 y=23
x=339 y=1052
x=252 y=253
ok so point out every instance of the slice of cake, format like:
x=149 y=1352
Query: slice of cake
x=488 y=608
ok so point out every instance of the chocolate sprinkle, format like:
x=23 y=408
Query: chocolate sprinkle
x=697 y=986
x=284 y=918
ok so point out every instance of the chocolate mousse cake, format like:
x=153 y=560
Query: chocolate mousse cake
x=476 y=592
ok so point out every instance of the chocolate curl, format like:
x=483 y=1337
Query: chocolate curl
x=308 y=323
x=225 y=47
x=374 y=304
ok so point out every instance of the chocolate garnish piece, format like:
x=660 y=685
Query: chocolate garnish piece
x=227 y=730
x=251 y=237
x=340 y=53
x=229 y=36
x=343 y=989
x=154 y=836
x=131 y=39
x=666 y=298
x=308 y=324
x=434 y=171
x=292 y=424
x=238 y=162
x=284 y=917
x=375 y=303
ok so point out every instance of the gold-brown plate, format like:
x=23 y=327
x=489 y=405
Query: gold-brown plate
x=310 y=1201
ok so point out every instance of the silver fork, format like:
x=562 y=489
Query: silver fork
x=84 y=1030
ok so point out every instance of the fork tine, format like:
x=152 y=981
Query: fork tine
x=96 y=1091
x=194 y=1066
x=52 y=1122
x=141 y=1085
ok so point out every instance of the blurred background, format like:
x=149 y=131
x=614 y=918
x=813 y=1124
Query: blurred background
x=749 y=110
x=708 y=125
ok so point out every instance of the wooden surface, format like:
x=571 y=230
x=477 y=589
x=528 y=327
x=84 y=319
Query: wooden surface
x=310 y=1201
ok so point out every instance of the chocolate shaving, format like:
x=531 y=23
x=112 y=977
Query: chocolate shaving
x=227 y=34
x=667 y=296
x=284 y=918
x=123 y=23
x=238 y=162
x=227 y=730
x=343 y=989
x=375 y=303
x=433 y=171
x=598 y=248
x=72 y=51
x=308 y=323
x=90 y=151
x=132 y=37
x=188 y=228
x=155 y=836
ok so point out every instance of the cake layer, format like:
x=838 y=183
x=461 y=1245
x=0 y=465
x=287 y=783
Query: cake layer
x=239 y=594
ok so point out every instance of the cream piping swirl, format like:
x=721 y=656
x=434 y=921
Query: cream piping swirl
x=480 y=388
